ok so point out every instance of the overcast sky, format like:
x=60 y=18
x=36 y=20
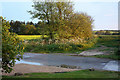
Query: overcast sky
x=105 y=14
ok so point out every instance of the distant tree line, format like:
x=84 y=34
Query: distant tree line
x=107 y=32
x=28 y=28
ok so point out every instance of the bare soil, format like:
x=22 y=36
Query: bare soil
x=98 y=51
x=27 y=68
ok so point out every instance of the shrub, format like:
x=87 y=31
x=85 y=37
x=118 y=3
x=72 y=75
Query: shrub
x=11 y=47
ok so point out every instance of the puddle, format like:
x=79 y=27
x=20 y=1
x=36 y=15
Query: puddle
x=26 y=62
x=112 y=66
x=26 y=56
x=29 y=55
x=104 y=63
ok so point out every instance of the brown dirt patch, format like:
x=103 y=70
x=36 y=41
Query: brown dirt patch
x=27 y=68
x=98 y=51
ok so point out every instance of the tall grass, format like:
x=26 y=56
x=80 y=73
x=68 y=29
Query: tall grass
x=58 y=46
x=51 y=48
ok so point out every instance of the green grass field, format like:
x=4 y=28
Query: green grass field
x=109 y=40
x=73 y=74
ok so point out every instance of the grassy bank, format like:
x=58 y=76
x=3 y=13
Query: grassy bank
x=37 y=45
x=73 y=74
x=109 y=40
x=113 y=44
x=53 y=48
x=45 y=46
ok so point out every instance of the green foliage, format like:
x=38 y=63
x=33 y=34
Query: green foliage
x=22 y=27
x=28 y=29
x=51 y=48
x=15 y=26
x=12 y=47
x=51 y=14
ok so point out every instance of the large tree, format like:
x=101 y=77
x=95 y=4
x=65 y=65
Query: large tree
x=51 y=13
x=59 y=19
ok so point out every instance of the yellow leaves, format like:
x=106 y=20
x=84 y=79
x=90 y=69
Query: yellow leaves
x=23 y=47
x=11 y=45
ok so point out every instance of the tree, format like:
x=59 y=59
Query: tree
x=59 y=19
x=51 y=14
x=15 y=26
x=45 y=12
x=29 y=29
x=107 y=32
x=12 y=47
x=79 y=26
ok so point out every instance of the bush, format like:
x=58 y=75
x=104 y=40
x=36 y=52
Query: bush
x=11 y=47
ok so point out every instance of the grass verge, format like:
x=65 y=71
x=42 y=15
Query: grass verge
x=73 y=74
x=110 y=41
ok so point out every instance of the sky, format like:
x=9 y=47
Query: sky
x=104 y=13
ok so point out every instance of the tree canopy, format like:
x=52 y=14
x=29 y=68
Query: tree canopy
x=51 y=14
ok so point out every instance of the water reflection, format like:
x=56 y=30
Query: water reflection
x=26 y=62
